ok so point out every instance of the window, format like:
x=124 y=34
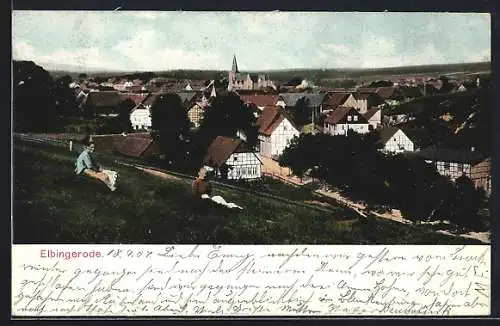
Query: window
x=355 y=118
x=459 y=167
x=235 y=158
x=446 y=165
x=349 y=118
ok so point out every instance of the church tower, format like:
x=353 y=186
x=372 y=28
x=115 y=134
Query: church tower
x=233 y=74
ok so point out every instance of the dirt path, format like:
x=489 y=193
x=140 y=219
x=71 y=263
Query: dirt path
x=395 y=215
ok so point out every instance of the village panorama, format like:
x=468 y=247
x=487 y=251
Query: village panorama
x=396 y=155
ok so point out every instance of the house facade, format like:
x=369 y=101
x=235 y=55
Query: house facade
x=233 y=159
x=394 y=140
x=140 y=118
x=276 y=130
x=343 y=119
x=456 y=163
x=374 y=117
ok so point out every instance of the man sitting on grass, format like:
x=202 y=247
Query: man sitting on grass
x=86 y=164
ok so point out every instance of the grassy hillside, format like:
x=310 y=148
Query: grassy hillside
x=52 y=205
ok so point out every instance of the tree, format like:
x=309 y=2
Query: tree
x=124 y=109
x=65 y=100
x=225 y=116
x=171 y=124
x=34 y=105
x=82 y=76
x=301 y=112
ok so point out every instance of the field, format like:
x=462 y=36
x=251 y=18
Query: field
x=52 y=205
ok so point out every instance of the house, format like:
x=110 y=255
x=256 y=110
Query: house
x=333 y=100
x=394 y=140
x=140 y=118
x=389 y=94
x=237 y=80
x=102 y=103
x=453 y=163
x=196 y=112
x=260 y=100
x=374 y=117
x=343 y=119
x=139 y=147
x=365 y=100
x=276 y=130
x=312 y=101
x=232 y=158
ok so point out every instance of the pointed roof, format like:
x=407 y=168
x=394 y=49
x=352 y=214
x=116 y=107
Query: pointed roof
x=270 y=119
x=234 y=68
x=222 y=147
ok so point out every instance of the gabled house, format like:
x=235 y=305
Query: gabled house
x=333 y=100
x=365 y=100
x=374 y=117
x=343 y=119
x=102 y=103
x=232 y=158
x=139 y=147
x=454 y=163
x=394 y=140
x=260 y=100
x=276 y=130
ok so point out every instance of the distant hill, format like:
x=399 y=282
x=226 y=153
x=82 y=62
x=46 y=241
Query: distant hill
x=286 y=74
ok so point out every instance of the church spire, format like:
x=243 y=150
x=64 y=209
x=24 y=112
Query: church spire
x=235 y=65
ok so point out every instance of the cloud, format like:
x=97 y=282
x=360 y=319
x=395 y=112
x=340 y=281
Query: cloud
x=22 y=50
x=145 y=52
x=336 y=49
x=91 y=57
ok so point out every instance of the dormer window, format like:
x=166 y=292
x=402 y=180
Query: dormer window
x=355 y=118
x=349 y=118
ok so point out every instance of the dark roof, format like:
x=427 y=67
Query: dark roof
x=386 y=133
x=108 y=143
x=339 y=113
x=135 y=146
x=260 y=99
x=105 y=99
x=136 y=97
x=451 y=155
x=270 y=119
x=221 y=148
x=187 y=97
x=335 y=99
x=411 y=92
x=150 y=100
x=291 y=99
x=370 y=113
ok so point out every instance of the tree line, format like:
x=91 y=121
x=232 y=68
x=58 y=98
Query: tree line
x=355 y=165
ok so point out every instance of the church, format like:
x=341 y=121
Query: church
x=239 y=81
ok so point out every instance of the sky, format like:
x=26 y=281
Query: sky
x=152 y=41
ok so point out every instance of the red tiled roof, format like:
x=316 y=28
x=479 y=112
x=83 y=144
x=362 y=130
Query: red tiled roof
x=270 y=119
x=335 y=99
x=221 y=148
x=135 y=146
x=260 y=99
x=136 y=97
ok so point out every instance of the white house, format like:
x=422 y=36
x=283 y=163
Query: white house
x=394 y=140
x=374 y=117
x=140 y=118
x=232 y=158
x=343 y=119
x=276 y=130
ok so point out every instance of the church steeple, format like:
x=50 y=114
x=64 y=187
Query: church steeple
x=235 y=65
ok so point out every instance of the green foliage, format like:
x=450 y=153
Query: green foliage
x=52 y=205
x=354 y=165
x=171 y=124
x=225 y=116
